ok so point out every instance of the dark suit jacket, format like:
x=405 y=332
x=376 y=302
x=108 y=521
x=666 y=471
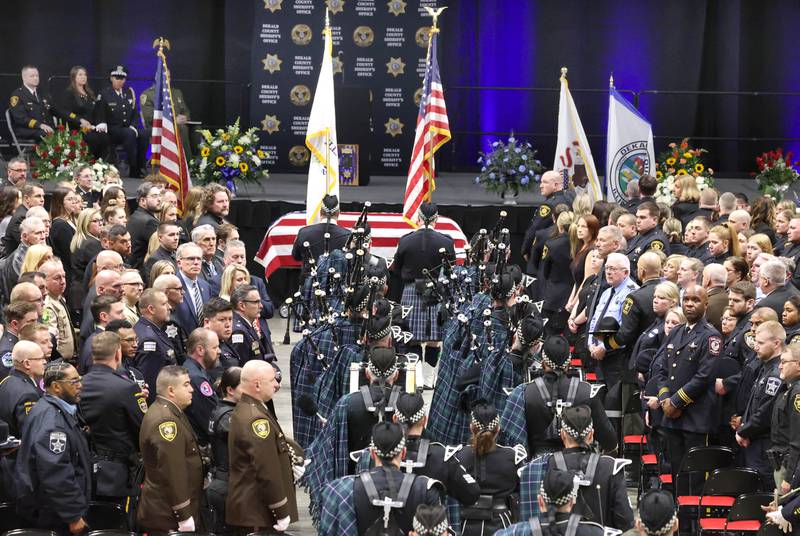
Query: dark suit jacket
x=775 y=299
x=12 y=237
x=717 y=301
x=184 y=313
x=160 y=254
x=141 y=225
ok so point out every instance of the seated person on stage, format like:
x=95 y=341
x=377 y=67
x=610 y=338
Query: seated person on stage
x=31 y=111
x=116 y=114
x=182 y=115
x=77 y=107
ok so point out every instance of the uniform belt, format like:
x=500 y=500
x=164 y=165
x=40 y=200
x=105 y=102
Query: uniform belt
x=485 y=507
x=221 y=474
x=112 y=456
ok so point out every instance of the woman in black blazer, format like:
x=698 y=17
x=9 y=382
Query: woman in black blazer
x=77 y=109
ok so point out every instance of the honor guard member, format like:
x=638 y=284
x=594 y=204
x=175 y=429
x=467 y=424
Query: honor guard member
x=112 y=406
x=229 y=394
x=171 y=286
x=495 y=467
x=264 y=463
x=203 y=356
x=19 y=391
x=603 y=497
x=418 y=251
x=155 y=349
x=785 y=429
x=685 y=384
x=637 y=309
x=532 y=415
x=430 y=521
x=116 y=114
x=754 y=433
x=557 y=498
x=314 y=234
x=650 y=236
x=31 y=112
x=384 y=499
x=350 y=424
x=17 y=316
x=551 y=187
x=658 y=514
x=431 y=459
x=54 y=467
x=173 y=469
x=610 y=305
x=250 y=337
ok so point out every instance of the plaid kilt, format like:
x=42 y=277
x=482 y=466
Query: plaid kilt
x=513 y=428
x=497 y=373
x=422 y=320
x=333 y=383
x=523 y=528
x=338 y=515
x=530 y=482
x=447 y=422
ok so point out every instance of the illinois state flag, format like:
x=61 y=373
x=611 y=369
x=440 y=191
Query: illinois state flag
x=630 y=146
x=323 y=173
x=573 y=156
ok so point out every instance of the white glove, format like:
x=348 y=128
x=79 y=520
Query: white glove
x=298 y=471
x=187 y=525
x=133 y=128
x=282 y=524
x=101 y=127
x=777 y=518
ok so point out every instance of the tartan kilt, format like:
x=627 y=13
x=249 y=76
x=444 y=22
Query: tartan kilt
x=530 y=482
x=304 y=367
x=422 y=320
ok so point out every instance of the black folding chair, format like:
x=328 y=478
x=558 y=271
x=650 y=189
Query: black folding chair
x=746 y=515
x=110 y=533
x=720 y=493
x=21 y=145
x=9 y=520
x=30 y=532
x=696 y=464
x=106 y=516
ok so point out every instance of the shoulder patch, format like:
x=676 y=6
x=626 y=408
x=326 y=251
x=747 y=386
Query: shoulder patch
x=545 y=251
x=149 y=346
x=449 y=450
x=773 y=384
x=58 y=442
x=205 y=389
x=795 y=339
x=237 y=338
x=142 y=404
x=657 y=245
x=626 y=307
x=714 y=345
x=143 y=98
x=14 y=100
x=168 y=430
x=797 y=403
x=544 y=211
x=8 y=361
x=261 y=428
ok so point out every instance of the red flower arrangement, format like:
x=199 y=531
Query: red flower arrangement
x=775 y=173
x=58 y=154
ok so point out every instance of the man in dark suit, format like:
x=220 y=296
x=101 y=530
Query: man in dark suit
x=714 y=276
x=116 y=114
x=169 y=236
x=236 y=253
x=772 y=280
x=196 y=291
x=30 y=111
x=143 y=222
x=211 y=271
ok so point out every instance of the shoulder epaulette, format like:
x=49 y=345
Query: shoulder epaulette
x=450 y=450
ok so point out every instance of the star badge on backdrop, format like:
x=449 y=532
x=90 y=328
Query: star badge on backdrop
x=335 y=6
x=395 y=66
x=273 y=5
x=394 y=127
x=338 y=65
x=272 y=63
x=396 y=7
x=270 y=124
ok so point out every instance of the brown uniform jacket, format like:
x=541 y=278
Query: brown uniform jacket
x=173 y=470
x=261 y=485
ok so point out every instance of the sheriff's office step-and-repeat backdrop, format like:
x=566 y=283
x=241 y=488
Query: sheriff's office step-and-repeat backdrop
x=378 y=45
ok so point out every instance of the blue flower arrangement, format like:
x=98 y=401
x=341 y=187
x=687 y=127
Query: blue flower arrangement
x=509 y=167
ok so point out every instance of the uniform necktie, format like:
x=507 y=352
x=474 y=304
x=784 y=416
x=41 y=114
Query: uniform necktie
x=605 y=307
x=198 y=299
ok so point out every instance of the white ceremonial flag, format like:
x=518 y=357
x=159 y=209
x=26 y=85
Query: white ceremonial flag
x=323 y=172
x=630 y=146
x=573 y=156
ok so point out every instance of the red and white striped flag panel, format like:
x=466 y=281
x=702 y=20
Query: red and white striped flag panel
x=387 y=229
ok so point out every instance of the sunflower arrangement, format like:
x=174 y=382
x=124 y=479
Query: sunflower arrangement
x=229 y=156
x=58 y=154
x=775 y=173
x=681 y=159
x=510 y=166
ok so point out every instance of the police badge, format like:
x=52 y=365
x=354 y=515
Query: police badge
x=394 y=127
x=335 y=6
x=168 y=430
x=270 y=124
x=171 y=331
x=363 y=36
x=396 y=7
x=300 y=95
x=58 y=442
x=301 y=34
x=423 y=36
x=272 y=63
x=273 y=5
x=395 y=67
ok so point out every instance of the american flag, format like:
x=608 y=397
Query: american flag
x=433 y=131
x=165 y=143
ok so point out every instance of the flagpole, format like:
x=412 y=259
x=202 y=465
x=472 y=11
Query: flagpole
x=434 y=13
x=328 y=35
x=611 y=81
x=155 y=160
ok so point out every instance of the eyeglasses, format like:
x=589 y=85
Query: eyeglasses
x=785 y=361
x=252 y=301
x=613 y=269
x=179 y=289
x=19 y=170
x=37 y=359
x=97 y=221
x=72 y=381
x=134 y=284
x=192 y=259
